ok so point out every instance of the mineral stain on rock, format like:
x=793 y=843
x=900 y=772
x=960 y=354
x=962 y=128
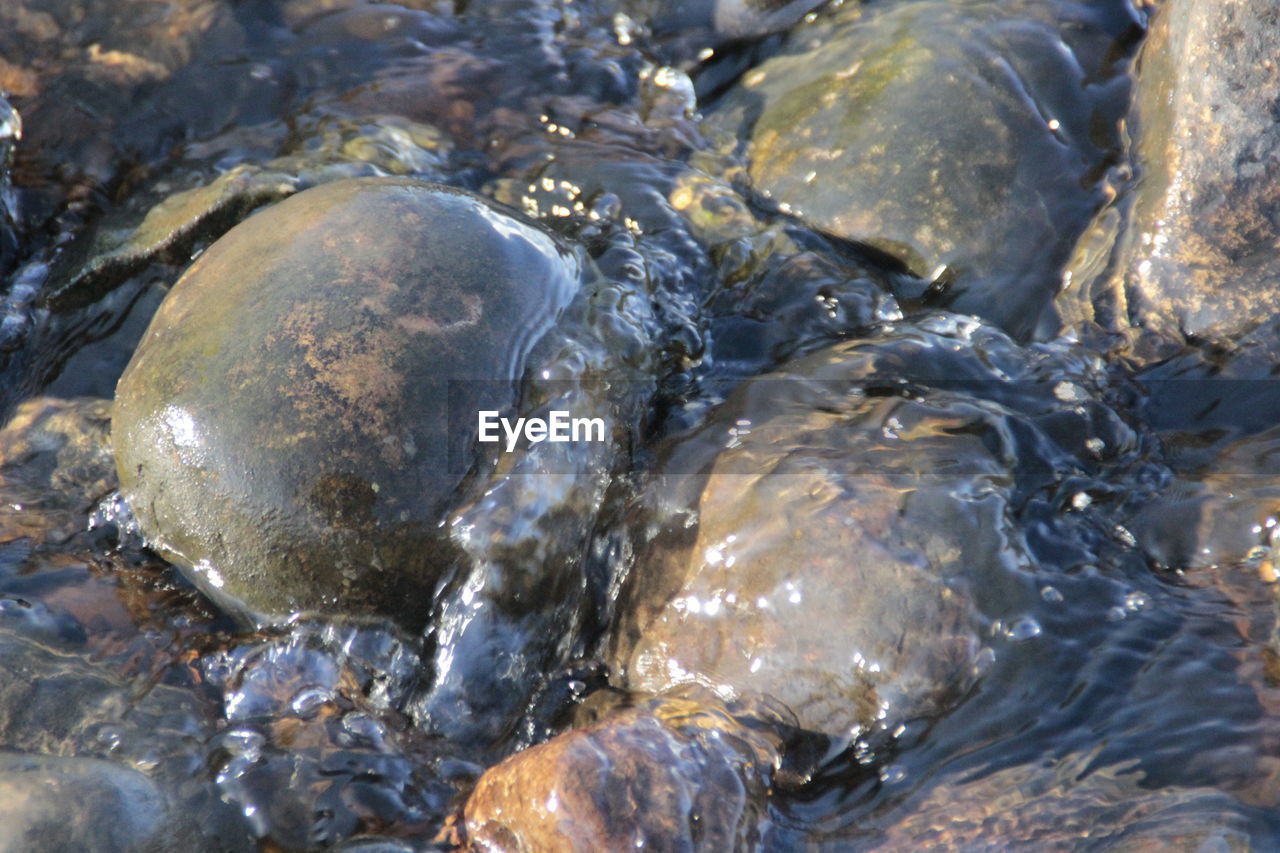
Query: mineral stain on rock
x=1189 y=251
x=283 y=431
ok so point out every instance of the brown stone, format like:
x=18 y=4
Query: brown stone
x=670 y=775
x=1190 y=249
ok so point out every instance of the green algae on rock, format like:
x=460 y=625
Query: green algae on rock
x=1189 y=250
x=282 y=432
x=954 y=137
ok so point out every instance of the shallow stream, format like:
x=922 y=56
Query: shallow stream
x=996 y=587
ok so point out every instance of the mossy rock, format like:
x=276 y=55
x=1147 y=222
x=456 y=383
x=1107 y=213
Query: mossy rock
x=956 y=138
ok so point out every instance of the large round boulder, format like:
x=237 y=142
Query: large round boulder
x=283 y=431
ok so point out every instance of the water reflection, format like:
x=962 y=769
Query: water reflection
x=1014 y=593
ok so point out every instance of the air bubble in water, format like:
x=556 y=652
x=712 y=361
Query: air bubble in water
x=1023 y=629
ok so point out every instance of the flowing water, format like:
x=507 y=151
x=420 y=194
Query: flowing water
x=1072 y=553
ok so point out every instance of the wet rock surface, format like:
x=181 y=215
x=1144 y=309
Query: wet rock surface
x=364 y=301
x=1057 y=554
x=837 y=533
x=115 y=809
x=1064 y=806
x=966 y=148
x=106 y=759
x=55 y=465
x=671 y=774
x=1189 y=252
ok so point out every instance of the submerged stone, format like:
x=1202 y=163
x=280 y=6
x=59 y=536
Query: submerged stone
x=954 y=137
x=55 y=464
x=725 y=19
x=671 y=774
x=1221 y=515
x=840 y=533
x=1065 y=805
x=61 y=709
x=52 y=804
x=283 y=432
x=1189 y=250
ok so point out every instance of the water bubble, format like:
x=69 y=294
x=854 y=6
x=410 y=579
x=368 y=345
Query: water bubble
x=892 y=774
x=1023 y=629
x=983 y=661
x=364 y=728
x=308 y=701
x=1135 y=601
x=623 y=28
x=1051 y=594
x=10 y=122
x=669 y=93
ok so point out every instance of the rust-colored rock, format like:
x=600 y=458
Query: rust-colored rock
x=670 y=775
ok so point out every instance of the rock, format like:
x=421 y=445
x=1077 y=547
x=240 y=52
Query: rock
x=170 y=230
x=723 y=19
x=50 y=696
x=954 y=137
x=55 y=464
x=1067 y=805
x=837 y=533
x=60 y=804
x=1221 y=515
x=671 y=774
x=161 y=225
x=56 y=703
x=82 y=73
x=298 y=428
x=50 y=804
x=1188 y=250
x=283 y=432
x=10 y=133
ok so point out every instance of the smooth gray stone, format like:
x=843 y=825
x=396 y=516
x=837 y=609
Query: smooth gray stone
x=53 y=804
